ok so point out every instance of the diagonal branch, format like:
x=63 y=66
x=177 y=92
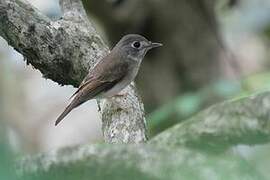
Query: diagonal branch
x=61 y=50
x=242 y=121
x=64 y=51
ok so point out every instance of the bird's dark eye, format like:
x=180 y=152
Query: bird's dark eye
x=136 y=44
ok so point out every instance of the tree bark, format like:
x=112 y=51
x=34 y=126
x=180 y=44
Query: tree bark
x=64 y=51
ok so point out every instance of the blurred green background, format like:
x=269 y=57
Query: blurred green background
x=213 y=51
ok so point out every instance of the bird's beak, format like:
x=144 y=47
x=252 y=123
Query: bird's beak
x=154 y=45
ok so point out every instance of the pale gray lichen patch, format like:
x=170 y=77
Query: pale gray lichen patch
x=99 y=53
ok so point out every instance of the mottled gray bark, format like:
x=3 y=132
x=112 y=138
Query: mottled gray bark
x=182 y=152
x=64 y=51
x=123 y=118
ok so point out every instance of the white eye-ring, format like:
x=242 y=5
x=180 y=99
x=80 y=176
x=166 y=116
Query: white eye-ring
x=136 y=44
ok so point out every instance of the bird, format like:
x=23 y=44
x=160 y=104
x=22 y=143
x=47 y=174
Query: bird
x=112 y=73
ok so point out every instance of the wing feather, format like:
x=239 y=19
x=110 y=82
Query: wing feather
x=82 y=96
x=102 y=78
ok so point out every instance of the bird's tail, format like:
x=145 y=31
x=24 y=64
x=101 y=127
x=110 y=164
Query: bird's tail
x=69 y=108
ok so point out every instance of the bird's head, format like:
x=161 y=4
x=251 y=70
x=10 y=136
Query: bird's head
x=135 y=46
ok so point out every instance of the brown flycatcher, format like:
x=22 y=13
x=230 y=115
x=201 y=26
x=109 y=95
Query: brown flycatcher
x=113 y=72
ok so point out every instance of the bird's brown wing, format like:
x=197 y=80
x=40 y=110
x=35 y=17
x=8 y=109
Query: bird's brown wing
x=99 y=80
x=86 y=93
x=107 y=70
x=86 y=81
